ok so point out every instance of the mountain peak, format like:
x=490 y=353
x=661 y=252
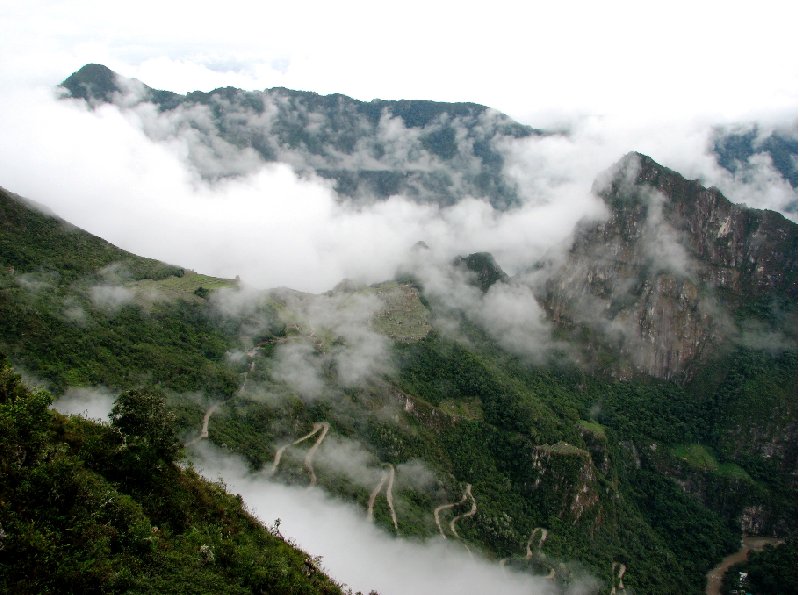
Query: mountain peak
x=92 y=81
x=672 y=268
x=485 y=267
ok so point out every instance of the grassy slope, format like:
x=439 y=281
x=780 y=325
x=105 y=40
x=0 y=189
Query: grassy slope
x=55 y=321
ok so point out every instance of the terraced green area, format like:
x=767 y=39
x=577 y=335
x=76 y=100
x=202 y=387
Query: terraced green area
x=697 y=456
x=189 y=286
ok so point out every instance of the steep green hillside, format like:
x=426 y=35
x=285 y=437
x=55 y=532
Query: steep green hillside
x=79 y=311
x=90 y=508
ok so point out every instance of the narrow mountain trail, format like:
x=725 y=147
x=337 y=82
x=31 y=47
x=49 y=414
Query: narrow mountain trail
x=470 y=513
x=204 y=426
x=439 y=509
x=618 y=570
x=321 y=428
x=388 y=478
x=749 y=544
x=542 y=539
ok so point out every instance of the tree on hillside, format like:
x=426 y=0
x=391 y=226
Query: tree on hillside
x=24 y=415
x=149 y=428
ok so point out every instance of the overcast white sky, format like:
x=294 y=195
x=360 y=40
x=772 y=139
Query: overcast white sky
x=727 y=58
x=624 y=75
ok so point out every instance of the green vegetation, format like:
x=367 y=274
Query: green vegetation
x=697 y=456
x=103 y=508
x=72 y=312
x=594 y=428
x=185 y=286
x=701 y=458
x=650 y=473
x=466 y=408
x=772 y=571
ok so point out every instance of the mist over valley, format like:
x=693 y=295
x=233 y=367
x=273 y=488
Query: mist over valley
x=301 y=341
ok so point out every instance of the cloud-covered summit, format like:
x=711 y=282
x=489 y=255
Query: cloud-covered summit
x=290 y=188
x=432 y=152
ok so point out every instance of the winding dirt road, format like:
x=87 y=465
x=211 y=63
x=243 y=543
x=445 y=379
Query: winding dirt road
x=323 y=428
x=320 y=427
x=529 y=552
x=373 y=496
x=250 y=356
x=204 y=426
x=390 y=498
x=470 y=513
x=542 y=539
x=617 y=572
x=439 y=509
x=209 y=412
x=749 y=544
x=387 y=475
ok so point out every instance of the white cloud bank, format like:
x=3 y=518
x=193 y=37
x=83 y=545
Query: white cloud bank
x=90 y=402
x=100 y=171
x=355 y=552
x=619 y=57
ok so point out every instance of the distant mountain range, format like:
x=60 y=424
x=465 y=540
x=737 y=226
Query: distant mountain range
x=431 y=151
x=736 y=146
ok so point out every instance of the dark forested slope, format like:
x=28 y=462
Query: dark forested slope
x=93 y=508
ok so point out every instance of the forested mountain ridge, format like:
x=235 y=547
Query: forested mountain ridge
x=66 y=292
x=434 y=152
x=431 y=151
x=94 y=508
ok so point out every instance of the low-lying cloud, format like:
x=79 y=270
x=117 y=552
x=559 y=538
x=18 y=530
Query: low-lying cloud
x=357 y=553
x=111 y=297
x=103 y=171
x=90 y=402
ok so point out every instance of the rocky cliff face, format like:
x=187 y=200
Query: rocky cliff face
x=566 y=479
x=664 y=280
